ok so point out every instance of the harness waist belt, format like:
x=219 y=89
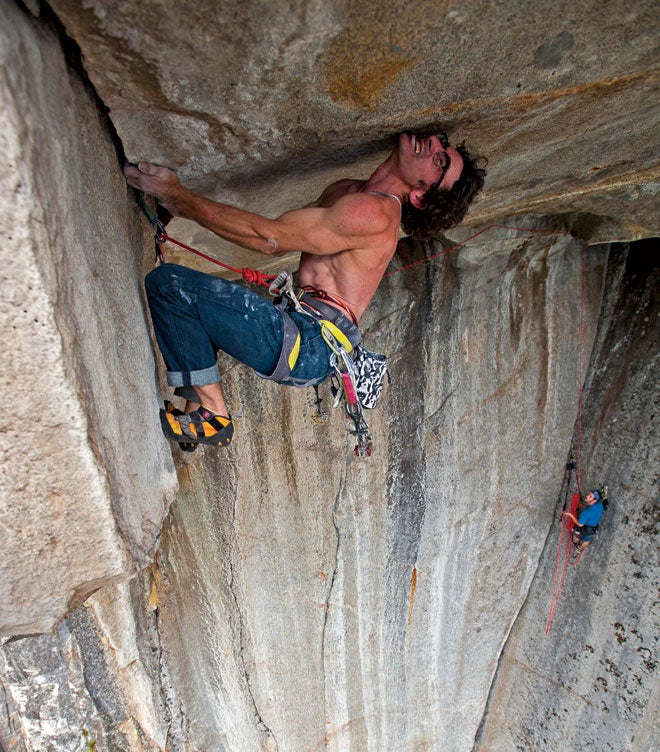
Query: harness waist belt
x=339 y=325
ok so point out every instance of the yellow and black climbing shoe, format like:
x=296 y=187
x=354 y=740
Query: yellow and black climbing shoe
x=198 y=427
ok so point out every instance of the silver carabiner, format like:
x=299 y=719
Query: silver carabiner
x=283 y=285
x=279 y=285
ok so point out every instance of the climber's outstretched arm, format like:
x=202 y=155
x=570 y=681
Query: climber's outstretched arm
x=348 y=224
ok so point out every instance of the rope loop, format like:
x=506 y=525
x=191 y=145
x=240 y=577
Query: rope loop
x=255 y=277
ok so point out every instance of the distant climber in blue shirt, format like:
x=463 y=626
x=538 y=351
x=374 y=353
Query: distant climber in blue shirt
x=586 y=525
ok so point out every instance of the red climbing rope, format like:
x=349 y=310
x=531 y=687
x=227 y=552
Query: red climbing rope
x=565 y=521
x=583 y=272
x=424 y=260
x=253 y=276
x=563 y=557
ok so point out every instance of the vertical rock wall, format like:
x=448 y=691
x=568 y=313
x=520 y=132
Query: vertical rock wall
x=76 y=508
x=302 y=599
x=313 y=601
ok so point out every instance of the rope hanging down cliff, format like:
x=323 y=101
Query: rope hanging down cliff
x=565 y=521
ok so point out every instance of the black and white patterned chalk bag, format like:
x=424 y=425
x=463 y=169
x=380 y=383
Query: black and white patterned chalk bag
x=369 y=371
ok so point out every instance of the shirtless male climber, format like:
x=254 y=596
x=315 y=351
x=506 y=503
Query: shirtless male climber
x=347 y=238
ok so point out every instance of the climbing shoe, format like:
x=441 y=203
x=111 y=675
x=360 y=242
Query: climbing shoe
x=198 y=427
x=184 y=446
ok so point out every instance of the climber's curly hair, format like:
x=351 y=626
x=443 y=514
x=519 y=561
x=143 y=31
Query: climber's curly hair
x=444 y=209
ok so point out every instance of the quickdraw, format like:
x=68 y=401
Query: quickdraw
x=251 y=276
x=320 y=417
x=158 y=228
x=343 y=386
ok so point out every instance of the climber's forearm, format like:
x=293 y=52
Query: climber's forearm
x=244 y=228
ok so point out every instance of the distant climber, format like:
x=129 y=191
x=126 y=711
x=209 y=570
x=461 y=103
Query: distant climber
x=346 y=237
x=587 y=522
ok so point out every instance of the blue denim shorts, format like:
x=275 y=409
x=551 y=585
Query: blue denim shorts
x=196 y=314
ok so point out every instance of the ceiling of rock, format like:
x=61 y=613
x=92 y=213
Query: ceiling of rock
x=262 y=103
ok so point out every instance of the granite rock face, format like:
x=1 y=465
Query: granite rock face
x=95 y=680
x=364 y=605
x=293 y=598
x=77 y=509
